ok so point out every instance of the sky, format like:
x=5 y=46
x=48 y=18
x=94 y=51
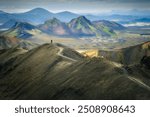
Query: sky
x=76 y=6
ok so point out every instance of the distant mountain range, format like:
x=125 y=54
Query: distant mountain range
x=36 y=16
x=40 y=15
x=80 y=27
x=77 y=27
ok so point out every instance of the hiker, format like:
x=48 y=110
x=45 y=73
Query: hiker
x=51 y=41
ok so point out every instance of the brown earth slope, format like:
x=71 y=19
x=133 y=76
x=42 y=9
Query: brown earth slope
x=9 y=42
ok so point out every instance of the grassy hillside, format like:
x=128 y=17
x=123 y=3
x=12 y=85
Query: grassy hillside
x=57 y=72
x=128 y=55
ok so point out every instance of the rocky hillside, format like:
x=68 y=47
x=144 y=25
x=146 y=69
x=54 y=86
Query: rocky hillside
x=128 y=55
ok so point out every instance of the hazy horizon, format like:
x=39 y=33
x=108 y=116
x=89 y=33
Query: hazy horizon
x=113 y=12
x=75 y=6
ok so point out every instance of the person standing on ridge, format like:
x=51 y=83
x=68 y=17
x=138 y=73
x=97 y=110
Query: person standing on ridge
x=51 y=41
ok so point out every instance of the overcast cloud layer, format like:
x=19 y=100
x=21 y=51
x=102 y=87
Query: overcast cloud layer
x=78 y=6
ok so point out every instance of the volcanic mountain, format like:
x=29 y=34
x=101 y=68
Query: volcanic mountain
x=55 y=27
x=53 y=71
x=81 y=26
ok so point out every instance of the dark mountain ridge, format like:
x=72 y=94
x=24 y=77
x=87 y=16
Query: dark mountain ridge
x=20 y=30
x=53 y=75
x=129 y=55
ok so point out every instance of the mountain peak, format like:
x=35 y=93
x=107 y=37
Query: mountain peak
x=39 y=11
x=53 y=21
x=67 y=12
x=82 y=19
x=39 y=8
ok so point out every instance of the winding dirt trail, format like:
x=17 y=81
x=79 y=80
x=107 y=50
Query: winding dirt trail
x=60 y=54
x=139 y=82
x=135 y=80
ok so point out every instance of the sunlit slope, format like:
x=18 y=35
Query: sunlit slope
x=90 y=53
x=10 y=42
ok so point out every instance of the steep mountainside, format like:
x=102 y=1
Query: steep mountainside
x=49 y=72
x=81 y=26
x=55 y=27
x=10 y=42
x=8 y=24
x=106 y=25
x=6 y=42
x=21 y=30
x=128 y=55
